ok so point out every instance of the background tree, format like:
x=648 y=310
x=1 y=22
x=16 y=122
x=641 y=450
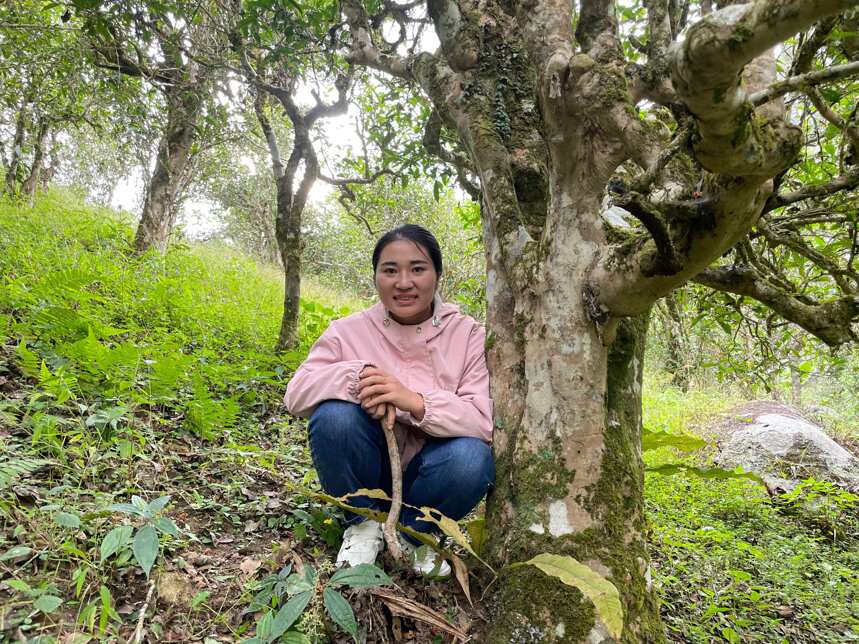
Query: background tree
x=156 y=42
x=557 y=111
x=48 y=87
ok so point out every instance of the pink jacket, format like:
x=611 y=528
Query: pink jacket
x=444 y=363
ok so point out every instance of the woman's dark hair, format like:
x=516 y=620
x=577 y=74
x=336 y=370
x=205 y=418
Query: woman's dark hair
x=413 y=233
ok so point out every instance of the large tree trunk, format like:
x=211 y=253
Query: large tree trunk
x=568 y=457
x=184 y=101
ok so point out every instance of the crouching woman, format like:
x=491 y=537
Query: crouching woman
x=424 y=359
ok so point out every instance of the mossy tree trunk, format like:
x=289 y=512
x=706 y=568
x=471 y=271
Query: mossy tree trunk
x=185 y=102
x=546 y=118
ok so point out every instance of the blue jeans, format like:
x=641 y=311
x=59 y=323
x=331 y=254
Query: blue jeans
x=349 y=452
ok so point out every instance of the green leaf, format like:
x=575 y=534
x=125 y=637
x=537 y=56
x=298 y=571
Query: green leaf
x=340 y=611
x=127 y=508
x=115 y=540
x=287 y=615
x=362 y=576
x=145 y=547
x=157 y=505
x=104 y=592
x=594 y=586
x=19 y=585
x=47 y=603
x=68 y=520
x=167 y=526
x=15 y=552
x=200 y=598
x=651 y=439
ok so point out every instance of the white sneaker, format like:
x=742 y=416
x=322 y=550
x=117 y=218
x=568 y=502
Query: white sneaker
x=425 y=561
x=361 y=544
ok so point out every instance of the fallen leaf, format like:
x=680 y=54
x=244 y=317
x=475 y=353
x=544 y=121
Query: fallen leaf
x=461 y=572
x=399 y=605
x=251 y=526
x=249 y=566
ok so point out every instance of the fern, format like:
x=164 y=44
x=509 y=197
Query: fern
x=14 y=466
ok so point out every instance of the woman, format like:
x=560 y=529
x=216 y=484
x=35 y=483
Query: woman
x=425 y=359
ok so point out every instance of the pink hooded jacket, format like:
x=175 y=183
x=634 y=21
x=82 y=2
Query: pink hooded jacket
x=444 y=363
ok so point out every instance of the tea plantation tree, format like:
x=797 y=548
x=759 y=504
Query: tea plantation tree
x=156 y=42
x=559 y=112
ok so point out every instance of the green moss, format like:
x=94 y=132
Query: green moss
x=524 y=620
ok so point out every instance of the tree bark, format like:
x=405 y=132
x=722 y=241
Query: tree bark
x=184 y=104
x=677 y=361
x=33 y=179
x=17 y=152
x=569 y=470
x=288 y=233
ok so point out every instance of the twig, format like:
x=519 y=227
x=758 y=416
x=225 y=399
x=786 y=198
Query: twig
x=390 y=528
x=138 y=632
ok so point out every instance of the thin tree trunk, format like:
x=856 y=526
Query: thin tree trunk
x=677 y=361
x=47 y=174
x=28 y=188
x=159 y=207
x=11 y=184
x=288 y=232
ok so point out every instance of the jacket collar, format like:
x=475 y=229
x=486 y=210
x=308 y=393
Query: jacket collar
x=392 y=329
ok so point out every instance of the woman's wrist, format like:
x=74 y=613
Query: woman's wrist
x=417 y=411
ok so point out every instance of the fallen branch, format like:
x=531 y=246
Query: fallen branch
x=138 y=632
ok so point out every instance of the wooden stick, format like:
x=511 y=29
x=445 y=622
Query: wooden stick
x=138 y=632
x=390 y=527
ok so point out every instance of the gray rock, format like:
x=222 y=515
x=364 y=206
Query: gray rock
x=784 y=450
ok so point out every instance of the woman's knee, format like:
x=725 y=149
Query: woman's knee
x=333 y=419
x=339 y=421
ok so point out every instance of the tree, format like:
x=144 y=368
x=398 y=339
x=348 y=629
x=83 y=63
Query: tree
x=156 y=42
x=557 y=112
x=281 y=51
x=47 y=86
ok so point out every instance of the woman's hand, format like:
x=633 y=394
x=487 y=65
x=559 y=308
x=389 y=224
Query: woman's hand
x=377 y=388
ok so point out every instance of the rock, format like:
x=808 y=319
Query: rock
x=784 y=450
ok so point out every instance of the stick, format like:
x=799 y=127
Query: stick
x=138 y=632
x=390 y=528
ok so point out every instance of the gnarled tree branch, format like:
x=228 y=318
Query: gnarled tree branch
x=830 y=321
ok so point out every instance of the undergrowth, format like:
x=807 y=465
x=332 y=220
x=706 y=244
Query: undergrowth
x=733 y=564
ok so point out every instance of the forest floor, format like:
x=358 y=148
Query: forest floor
x=151 y=485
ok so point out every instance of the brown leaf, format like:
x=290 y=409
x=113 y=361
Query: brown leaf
x=249 y=566
x=461 y=572
x=399 y=605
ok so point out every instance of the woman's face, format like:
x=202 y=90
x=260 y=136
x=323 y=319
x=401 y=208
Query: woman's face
x=406 y=281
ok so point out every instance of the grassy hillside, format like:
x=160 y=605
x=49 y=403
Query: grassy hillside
x=140 y=424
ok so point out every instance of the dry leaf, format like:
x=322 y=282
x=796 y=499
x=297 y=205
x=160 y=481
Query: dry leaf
x=461 y=572
x=399 y=605
x=249 y=566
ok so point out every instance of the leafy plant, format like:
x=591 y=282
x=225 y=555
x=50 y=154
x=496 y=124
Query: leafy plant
x=824 y=505
x=303 y=588
x=146 y=544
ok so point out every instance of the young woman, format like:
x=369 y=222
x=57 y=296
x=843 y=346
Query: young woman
x=425 y=359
